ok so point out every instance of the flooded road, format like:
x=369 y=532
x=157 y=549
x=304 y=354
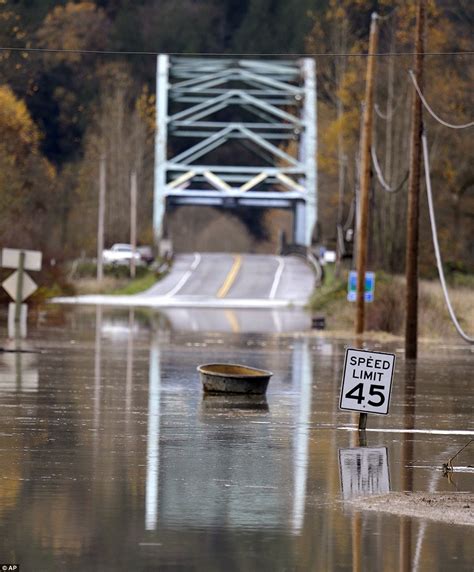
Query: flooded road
x=112 y=459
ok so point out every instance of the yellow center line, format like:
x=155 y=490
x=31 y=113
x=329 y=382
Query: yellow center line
x=233 y=321
x=230 y=278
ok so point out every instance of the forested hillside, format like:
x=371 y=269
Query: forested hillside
x=61 y=110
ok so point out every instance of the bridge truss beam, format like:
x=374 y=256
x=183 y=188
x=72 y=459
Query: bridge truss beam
x=207 y=109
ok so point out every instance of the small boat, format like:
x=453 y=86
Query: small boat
x=233 y=378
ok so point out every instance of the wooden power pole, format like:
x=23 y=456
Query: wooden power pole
x=365 y=171
x=133 y=222
x=411 y=264
x=100 y=222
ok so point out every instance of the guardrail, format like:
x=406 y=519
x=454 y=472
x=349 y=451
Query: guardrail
x=304 y=252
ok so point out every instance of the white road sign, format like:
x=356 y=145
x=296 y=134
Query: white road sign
x=11 y=258
x=10 y=285
x=364 y=471
x=367 y=381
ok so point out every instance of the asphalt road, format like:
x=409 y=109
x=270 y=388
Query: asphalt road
x=218 y=280
x=236 y=277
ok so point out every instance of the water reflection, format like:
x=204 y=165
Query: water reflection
x=233 y=465
x=97 y=369
x=117 y=448
x=129 y=374
x=17 y=329
x=237 y=320
x=302 y=377
x=406 y=477
x=19 y=368
x=153 y=437
x=218 y=403
x=364 y=472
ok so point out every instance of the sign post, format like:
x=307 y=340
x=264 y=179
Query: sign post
x=366 y=383
x=19 y=285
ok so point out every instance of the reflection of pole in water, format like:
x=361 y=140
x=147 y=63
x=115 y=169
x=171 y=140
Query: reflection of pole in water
x=153 y=438
x=17 y=329
x=422 y=527
x=357 y=439
x=356 y=541
x=276 y=321
x=129 y=375
x=18 y=370
x=97 y=368
x=302 y=376
x=406 y=477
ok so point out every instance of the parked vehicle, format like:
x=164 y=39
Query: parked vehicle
x=121 y=254
x=146 y=253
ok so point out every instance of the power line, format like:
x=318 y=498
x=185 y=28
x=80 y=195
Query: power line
x=386 y=116
x=439 y=262
x=383 y=183
x=229 y=55
x=432 y=113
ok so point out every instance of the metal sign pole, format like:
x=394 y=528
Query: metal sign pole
x=362 y=421
x=19 y=288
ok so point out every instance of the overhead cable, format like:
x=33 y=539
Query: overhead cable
x=432 y=113
x=229 y=54
x=350 y=216
x=386 y=116
x=383 y=183
x=434 y=233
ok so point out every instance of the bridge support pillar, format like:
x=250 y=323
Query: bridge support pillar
x=160 y=145
x=310 y=148
x=299 y=223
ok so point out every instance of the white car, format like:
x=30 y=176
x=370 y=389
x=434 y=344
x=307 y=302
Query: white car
x=120 y=254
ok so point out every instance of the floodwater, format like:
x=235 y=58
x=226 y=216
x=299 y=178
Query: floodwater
x=111 y=459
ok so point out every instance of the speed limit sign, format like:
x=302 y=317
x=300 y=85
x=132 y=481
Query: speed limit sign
x=367 y=381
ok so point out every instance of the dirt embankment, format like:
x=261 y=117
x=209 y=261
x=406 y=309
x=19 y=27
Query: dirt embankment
x=452 y=508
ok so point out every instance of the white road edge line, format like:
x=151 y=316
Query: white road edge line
x=415 y=431
x=185 y=277
x=276 y=280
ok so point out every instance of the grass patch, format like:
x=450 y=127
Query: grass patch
x=387 y=312
x=137 y=285
x=333 y=290
x=119 y=286
x=116 y=281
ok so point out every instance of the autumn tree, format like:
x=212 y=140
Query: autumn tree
x=343 y=28
x=122 y=131
x=67 y=83
x=27 y=180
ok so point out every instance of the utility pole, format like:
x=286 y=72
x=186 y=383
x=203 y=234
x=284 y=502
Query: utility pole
x=365 y=171
x=100 y=223
x=133 y=221
x=411 y=264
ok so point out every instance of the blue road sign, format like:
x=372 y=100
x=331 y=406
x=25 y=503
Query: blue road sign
x=369 y=286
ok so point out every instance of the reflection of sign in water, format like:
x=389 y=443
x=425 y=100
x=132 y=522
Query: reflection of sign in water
x=367 y=381
x=364 y=471
x=369 y=286
x=18 y=372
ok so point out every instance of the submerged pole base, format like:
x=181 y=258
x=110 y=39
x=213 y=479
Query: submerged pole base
x=362 y=421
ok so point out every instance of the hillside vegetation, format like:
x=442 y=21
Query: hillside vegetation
x=61 y=111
